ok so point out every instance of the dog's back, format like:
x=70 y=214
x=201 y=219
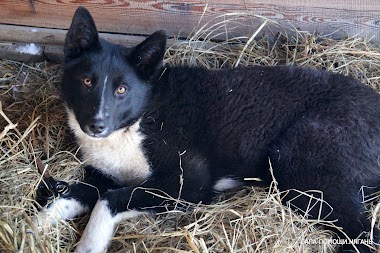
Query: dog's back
x=321 y=131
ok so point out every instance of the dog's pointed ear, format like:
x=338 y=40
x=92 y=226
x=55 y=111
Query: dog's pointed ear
x=81 y=35
x=147 y=56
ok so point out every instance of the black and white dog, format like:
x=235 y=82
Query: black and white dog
x=189 y=133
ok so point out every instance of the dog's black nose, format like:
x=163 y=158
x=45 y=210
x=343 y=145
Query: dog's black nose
x=97 y=127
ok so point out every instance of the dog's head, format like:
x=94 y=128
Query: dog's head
x=106 y=86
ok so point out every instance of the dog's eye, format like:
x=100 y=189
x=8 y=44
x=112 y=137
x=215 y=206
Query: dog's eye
x=121 y=89
x=87 y=82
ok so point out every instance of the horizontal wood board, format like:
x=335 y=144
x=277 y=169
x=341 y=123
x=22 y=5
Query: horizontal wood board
x=337 y=17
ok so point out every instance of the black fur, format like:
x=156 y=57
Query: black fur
x=321 y=131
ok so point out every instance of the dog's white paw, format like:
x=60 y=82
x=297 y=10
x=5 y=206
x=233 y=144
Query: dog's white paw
x=100 y=228
x=60 y=209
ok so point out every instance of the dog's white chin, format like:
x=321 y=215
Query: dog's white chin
x=98 y=136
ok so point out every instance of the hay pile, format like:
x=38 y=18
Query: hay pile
x=32 y=124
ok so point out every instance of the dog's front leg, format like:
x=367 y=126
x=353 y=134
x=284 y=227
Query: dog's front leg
x=80 y=200
x=101 y=226
x=125 y=203
x=114 y=207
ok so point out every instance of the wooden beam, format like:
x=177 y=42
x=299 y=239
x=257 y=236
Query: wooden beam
x=179 y=17
x=51 y=41
x=48 y=36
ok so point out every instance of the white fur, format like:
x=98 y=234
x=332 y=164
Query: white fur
x=102 y=108
x=119 y=155
x=100 y=228
x=226 y=183
x=60 y=209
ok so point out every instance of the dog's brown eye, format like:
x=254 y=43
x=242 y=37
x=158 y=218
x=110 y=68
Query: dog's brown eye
x=87 y=82
x=121 y=89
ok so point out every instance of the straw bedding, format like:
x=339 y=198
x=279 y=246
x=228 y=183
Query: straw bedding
x=32 y=124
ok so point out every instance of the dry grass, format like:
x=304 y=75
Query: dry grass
x=32 y=124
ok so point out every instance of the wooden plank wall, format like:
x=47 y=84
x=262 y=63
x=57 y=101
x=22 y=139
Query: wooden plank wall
x=179 y=17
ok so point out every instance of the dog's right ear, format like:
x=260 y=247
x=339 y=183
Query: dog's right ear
x=147 y=56
x=82 y=34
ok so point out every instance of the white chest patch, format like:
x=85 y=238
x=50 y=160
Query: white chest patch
x=119 y=155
